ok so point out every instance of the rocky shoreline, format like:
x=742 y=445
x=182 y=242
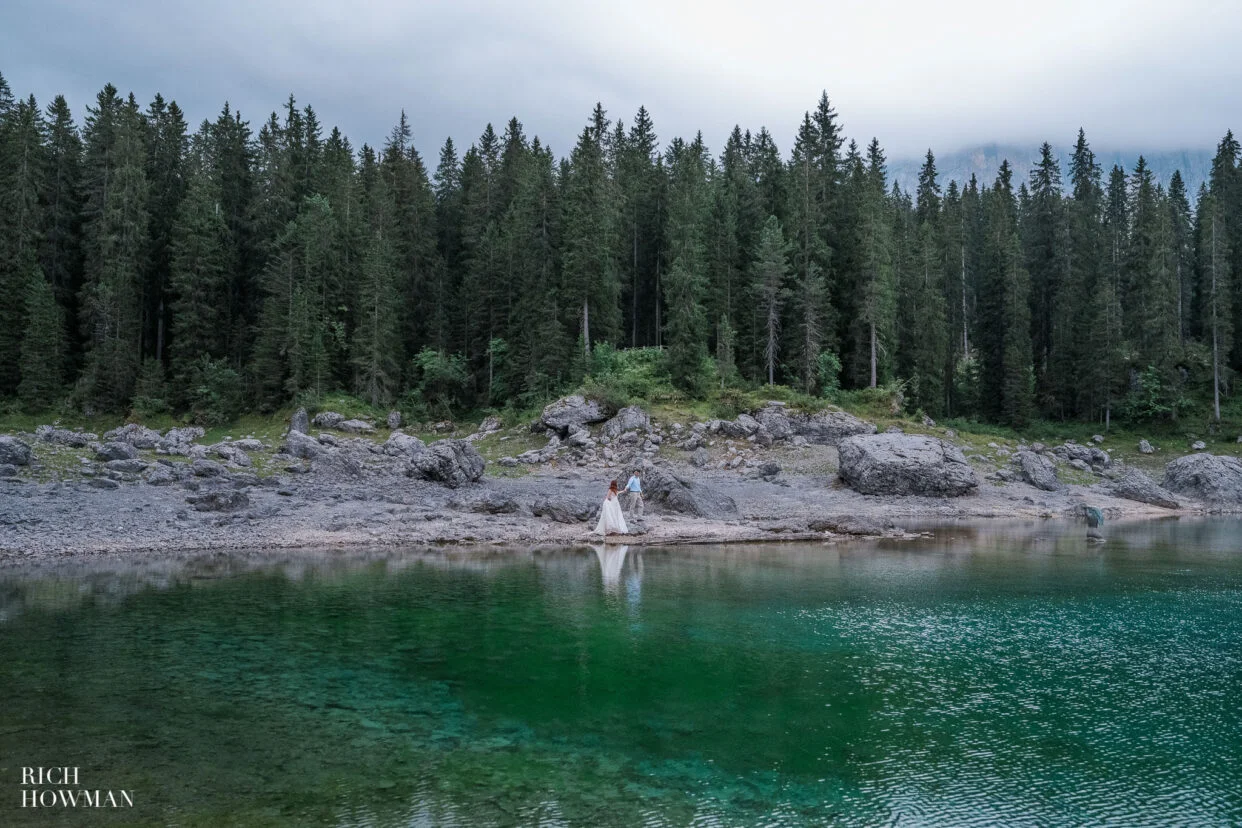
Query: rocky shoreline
x=768 y=475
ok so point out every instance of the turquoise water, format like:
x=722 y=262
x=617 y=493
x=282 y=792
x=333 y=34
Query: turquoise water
x=990 y=675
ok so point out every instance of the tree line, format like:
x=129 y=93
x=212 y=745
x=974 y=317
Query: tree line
x=148 y=267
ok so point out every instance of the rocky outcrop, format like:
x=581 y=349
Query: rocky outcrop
x=847 y=526
x=663 y=488
x=393 y=420
x=336 y=463
x=231 y=453
x=180 y=441
x=115 y=451
x=905 y=464
x=1037 y=470
x=1206 y=477
x=1133 y=484
x=160 y=475
x=327 y=419
x=829 y=428
x=138 y=436
x=564 y=508
x=299 y=422
x=1094 y=457
x=355 y=427
x=126 y=466
x=542 y=455
x=400 y=444
x=569 y=414
x=776 y=422
x=1145 y=447
x=302 y=445
x=207 y=468
x=13 y=452
x=65 y=437
x=490 y=425
x=630 y=418
x=451 y=462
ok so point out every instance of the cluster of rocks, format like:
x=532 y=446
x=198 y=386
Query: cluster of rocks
x=451 y=462
x=624 y=435
x=628 y=435
x=13 y=454
x=338 y=422
x=775 y=423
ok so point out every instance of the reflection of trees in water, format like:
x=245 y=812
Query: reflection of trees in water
x=1039 y=549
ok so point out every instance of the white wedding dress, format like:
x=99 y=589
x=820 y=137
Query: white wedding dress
x=611 y=521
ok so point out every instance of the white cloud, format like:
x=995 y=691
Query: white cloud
x=1134 y=74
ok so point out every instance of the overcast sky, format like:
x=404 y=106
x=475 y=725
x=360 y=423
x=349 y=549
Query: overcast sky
x=950 y=74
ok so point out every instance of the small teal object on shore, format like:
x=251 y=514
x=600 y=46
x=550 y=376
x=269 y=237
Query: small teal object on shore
x=1095 y=519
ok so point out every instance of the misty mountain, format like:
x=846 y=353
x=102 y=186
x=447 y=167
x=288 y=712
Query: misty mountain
x=983 y=162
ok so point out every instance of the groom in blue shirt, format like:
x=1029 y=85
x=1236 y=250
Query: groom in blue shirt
x=634 y=495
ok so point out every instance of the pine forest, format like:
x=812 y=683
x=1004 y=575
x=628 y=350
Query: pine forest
x=148 y=266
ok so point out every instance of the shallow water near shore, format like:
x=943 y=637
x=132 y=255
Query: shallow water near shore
x=998 y=673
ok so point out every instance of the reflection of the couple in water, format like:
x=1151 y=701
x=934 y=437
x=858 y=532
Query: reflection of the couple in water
x=612 y=560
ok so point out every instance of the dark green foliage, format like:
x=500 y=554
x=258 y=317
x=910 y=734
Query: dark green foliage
x=116 y=246
x=442 y=381
x=769 y=274
x=42 y=360
x=148 y=267
x=199 y=278
x=216 y=392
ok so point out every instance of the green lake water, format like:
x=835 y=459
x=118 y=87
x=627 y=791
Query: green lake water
x=1004 y=674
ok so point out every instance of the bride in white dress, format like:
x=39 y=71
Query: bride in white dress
x=611 y=521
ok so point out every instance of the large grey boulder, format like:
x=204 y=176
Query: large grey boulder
x=1145 y=447
x=451 y=462
x=335 y=463
x=1133 y=484
x=115 y=451
x=356 y=427
x=829 y=428
x=1207 y=477
x=14 y=452
x=568 y=414
x=777 y=422
x=300 y=422
x=630 y=418
x=393 y=420
x=300 y=444
x=1037 y=470
x=663 y=488
x=905 y=464
x=400 y=444
x=138 y=436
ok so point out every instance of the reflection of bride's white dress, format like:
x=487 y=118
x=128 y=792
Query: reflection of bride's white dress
x=611 y=521
x=611 y=562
